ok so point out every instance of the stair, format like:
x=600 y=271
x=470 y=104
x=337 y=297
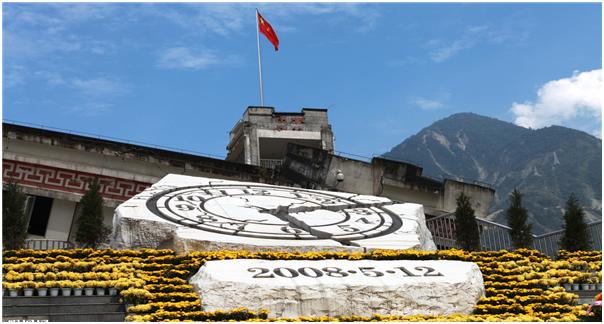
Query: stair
x=585 y=296
x=63 y=308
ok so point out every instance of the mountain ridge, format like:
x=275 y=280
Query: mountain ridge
x=545 y=164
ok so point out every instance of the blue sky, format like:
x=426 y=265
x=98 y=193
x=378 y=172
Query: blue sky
x=181 y=75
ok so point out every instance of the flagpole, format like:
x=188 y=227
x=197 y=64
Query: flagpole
x=259 y=60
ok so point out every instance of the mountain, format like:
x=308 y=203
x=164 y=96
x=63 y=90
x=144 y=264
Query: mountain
x=546 y=164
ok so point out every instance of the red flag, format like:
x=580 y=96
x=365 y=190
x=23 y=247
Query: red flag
x=268 y=31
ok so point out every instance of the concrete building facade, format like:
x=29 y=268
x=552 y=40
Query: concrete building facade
x=53 y=169
x=399 y=181
x=262 y=135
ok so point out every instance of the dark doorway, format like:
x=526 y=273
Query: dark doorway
x=39 y=216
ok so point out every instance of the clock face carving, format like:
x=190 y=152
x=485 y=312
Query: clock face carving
x=273 y=212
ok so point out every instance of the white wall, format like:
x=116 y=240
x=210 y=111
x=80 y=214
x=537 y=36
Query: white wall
x=60 y=219
x=108 y=216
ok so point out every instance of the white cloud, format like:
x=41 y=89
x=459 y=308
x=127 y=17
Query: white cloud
x=436 y=101
x=564 y=100
x=39 y=33
x=25 y=46
x=405 y=61
x=36 y=35
x=52 y=78
x=228 y=18
x=441 y=50
x=427 y=104
x=445 y=52
x=90 y=109
x=14 y=75
x=363 y=16
x=55 y=17
x=101 y=47
x=188 y=59
x=89 y=88
x=99 y=87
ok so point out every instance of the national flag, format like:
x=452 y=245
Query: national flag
x=268 y=31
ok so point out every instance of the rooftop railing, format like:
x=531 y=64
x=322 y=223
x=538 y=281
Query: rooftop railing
x=494 y=236
x=270 y=163
x=48 y=245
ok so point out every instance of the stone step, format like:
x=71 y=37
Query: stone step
x=585 y=296
x=58 y=300
x=83 y=317
x=585 y=292
x=70 y=317
x=43 y=309
x=32 y=318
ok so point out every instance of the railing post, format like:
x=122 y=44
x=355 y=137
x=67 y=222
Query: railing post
x=496 y=236
x=35 y=244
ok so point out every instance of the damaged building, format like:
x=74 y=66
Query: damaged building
x=290 y=149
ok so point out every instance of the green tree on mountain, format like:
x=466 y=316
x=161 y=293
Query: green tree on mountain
x=466 y=227
x=575 y=236
x=517 y=217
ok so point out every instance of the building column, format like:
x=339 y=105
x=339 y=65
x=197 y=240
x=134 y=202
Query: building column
x=246 y=149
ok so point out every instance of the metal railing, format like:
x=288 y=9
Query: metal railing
x=48 y=245
x=270 y=163
x=494 y=236
x=547 y=242
x=355 y=156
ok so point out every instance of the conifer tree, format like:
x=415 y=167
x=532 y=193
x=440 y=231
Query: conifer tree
x=575 y=230
x=466 y=227
x=517 y=217
x=14 y=222
x=91 y=231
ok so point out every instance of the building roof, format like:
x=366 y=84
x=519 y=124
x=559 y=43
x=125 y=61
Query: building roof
x=112 y=147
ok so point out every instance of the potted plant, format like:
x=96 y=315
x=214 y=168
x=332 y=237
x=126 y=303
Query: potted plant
x=566 y=283
x=89 y=287
x=53 y=288
x=65 y=287
x=112 y=289
x=583 y=281
x=41 y=289
x=100 y=288
x=78 y=286
x=5 y=286
x=28 y=288
x=573 y=282
x=592 y=283
x=13 y=288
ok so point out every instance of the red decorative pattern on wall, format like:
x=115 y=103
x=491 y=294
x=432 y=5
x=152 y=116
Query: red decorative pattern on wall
x=51 y=178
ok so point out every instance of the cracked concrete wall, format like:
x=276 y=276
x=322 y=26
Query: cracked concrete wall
x=481 y=197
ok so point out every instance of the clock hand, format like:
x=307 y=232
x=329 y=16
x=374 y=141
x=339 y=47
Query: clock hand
x=283 y=213
x=305 y=209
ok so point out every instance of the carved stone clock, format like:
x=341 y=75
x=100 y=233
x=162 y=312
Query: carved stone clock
x=202 y=213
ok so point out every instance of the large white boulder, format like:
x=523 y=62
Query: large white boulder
x=296 y=288
x=191 y=213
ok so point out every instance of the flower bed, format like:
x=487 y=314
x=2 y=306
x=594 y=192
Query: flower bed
x=579 y=270
x=523 y=285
